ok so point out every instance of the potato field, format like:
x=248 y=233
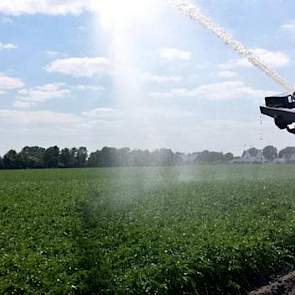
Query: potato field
x=187 y=230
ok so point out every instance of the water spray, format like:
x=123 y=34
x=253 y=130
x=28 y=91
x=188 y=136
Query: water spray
x=194 y=12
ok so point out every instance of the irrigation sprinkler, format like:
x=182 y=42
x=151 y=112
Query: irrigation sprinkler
x=281 y=108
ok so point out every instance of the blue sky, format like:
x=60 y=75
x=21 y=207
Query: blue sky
x=79 y=73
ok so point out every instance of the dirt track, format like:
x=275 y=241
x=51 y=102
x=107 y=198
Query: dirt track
x=283 y=286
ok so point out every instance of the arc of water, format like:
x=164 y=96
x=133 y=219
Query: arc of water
x=193 y=12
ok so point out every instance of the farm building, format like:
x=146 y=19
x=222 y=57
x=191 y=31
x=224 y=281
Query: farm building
x=252 y=156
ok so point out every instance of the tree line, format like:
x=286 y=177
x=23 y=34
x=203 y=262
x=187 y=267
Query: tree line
x=272 y=154
x=39 y=157
x=53 y=157
x=36 y=157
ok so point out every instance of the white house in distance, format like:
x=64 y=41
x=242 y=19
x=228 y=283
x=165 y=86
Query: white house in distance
x=252 y=156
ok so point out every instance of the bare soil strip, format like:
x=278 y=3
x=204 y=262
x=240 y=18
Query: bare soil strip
x=283 y=286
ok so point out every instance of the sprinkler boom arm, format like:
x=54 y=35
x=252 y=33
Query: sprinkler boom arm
x=280 y=108
x=195 y=14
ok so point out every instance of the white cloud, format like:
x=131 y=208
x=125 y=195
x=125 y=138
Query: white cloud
x=272 y=58
x=30 y=97
x=12 y=117
x=102 y=114
x=290 y=26
x=82 y=87
x=54 y=54
x=9 y=83
x=228 y=90
x=80 y=66
x=144 y=128
x=23 y=104
x=227 y=74
x=7 y=46
x=161 y=78
x=50 y=7
x=172 y=54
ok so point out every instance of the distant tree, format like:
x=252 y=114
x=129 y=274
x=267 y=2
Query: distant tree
x=155 y=158
x=93 y=160
x=167 y=157
x=74 y=157
x=270 y=153
x=108 y=157
x=162 y=157
x=64 y=158
x=138 y=158
x=179 y=158
x=82 y=156
x=32 y=157
x=216 y=157
x=146 y=158
x=11 y=160
x=51 y=157
x=253 y=152
x=228 y=157
x=208 y=157
x=123 y=157
x=203 y=157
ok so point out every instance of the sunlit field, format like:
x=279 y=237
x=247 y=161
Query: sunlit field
x=189 y=230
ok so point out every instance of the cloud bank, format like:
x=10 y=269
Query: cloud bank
x=80 y=66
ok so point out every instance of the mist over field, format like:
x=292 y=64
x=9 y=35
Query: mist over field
x=154 y=230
